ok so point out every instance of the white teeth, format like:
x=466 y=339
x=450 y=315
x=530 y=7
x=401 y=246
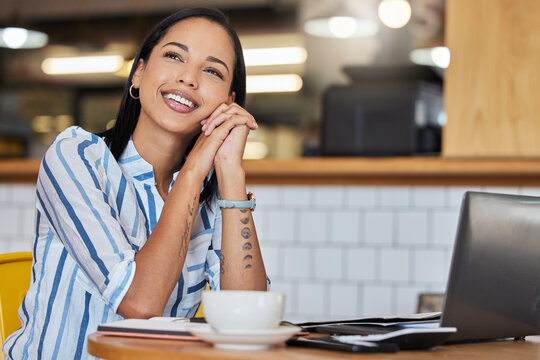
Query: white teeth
x=181 y=100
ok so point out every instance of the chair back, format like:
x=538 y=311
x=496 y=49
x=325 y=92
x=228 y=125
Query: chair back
x=15 y=271
x=200 y=312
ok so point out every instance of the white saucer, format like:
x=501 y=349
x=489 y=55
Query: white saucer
x=242 y=339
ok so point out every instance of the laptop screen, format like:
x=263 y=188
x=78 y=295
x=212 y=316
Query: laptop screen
x=493 y=290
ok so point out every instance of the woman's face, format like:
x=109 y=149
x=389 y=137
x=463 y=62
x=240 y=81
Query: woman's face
x=187 y=76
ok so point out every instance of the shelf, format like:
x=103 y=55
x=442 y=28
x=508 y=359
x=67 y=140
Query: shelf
x=434 y=171
x=395 y=171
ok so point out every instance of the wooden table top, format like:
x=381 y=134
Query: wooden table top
x=118 y=348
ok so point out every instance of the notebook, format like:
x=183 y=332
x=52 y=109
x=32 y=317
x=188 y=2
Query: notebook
x=493 y=289
x=172 y=328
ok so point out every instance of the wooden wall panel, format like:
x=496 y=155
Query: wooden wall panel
x=492 y=86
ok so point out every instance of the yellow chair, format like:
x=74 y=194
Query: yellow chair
x=200 y=312
x=15 y=271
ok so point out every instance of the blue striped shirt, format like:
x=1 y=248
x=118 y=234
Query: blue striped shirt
x=92 y=216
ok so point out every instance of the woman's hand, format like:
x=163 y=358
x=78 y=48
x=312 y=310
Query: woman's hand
x=223 y=139
x=232 y=148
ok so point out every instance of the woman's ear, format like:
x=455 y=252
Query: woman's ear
x=231 y=98
x=136 y=79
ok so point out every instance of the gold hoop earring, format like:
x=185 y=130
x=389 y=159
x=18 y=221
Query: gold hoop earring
x=131 y=93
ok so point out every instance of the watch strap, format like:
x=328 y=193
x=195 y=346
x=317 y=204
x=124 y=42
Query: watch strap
x=246 y=204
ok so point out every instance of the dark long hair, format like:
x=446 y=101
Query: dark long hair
x=118 y=137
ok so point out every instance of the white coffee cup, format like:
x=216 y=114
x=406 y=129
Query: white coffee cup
x=243 y=310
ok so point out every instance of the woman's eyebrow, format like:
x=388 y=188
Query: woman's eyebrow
x=186 y=48
x=216 y=60
x=177 y=44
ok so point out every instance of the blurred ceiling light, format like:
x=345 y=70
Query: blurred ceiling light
x=273 y=83
x=62 y=122
x=47 y=123
x=438 y=56
x=125 y=69
x=341 y=22
x=342 y=27
x=20 y=38
x=110 y=124
x=42 y=124
x=394 y=13
x=82 y=64
x=275 y=56
x=255 y=150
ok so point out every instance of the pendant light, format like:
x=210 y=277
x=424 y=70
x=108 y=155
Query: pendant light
x=340 y=23
x=21 y=38
x=18 y=36
x=394 y=13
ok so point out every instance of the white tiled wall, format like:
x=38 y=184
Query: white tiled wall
x=335 y=251
x=345 y=251
x=16 y=217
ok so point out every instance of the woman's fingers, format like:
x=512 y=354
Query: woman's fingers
x=226 y=126
x=245 y=117
x=220 y=119
x=252 y=124
x=221 y=108
x=225 y=112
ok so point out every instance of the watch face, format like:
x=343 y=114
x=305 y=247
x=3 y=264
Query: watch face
x=252 y=197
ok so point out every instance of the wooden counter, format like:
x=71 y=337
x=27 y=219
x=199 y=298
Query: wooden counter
x=358 y=171
x=116 y=347
x=19 y=171
x=396 y=171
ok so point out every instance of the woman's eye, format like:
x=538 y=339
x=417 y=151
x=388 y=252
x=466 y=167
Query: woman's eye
x=174 y=56
x=214 y=72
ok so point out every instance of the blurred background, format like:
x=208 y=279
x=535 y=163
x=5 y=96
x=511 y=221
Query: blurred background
x=340 y=64
x=368 y=234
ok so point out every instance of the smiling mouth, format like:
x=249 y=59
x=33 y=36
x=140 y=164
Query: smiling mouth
x=181 y=100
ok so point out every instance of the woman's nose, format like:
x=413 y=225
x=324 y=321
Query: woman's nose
x=190 y=83
x=188 y=79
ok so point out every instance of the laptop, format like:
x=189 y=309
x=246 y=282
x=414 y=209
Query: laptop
x=493 y=289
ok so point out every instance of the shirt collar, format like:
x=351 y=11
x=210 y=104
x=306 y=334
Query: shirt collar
x=141 y=170
x=135 y=166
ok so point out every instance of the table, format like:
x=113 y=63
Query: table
x=118 y=348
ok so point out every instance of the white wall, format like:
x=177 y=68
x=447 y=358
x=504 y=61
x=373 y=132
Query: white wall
x=336 y=251
x=345 y=251
x=16 y=217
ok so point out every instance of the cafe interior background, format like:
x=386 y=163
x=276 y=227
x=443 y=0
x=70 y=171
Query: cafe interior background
x=339 y=250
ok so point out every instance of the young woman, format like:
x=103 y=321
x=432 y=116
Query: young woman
x=128 y=224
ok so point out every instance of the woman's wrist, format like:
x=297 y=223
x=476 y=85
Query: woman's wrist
x=231 y=182
x=192 y=176
x=194 y=169
x=229 y=169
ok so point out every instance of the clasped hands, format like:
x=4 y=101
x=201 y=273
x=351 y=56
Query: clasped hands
x=223 y=138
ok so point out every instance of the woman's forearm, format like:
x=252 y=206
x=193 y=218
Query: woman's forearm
x=241 y=262
x=160 y=261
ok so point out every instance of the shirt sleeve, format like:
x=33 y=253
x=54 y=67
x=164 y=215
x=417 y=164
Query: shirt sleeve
x=75 y=194
x=213 y=267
